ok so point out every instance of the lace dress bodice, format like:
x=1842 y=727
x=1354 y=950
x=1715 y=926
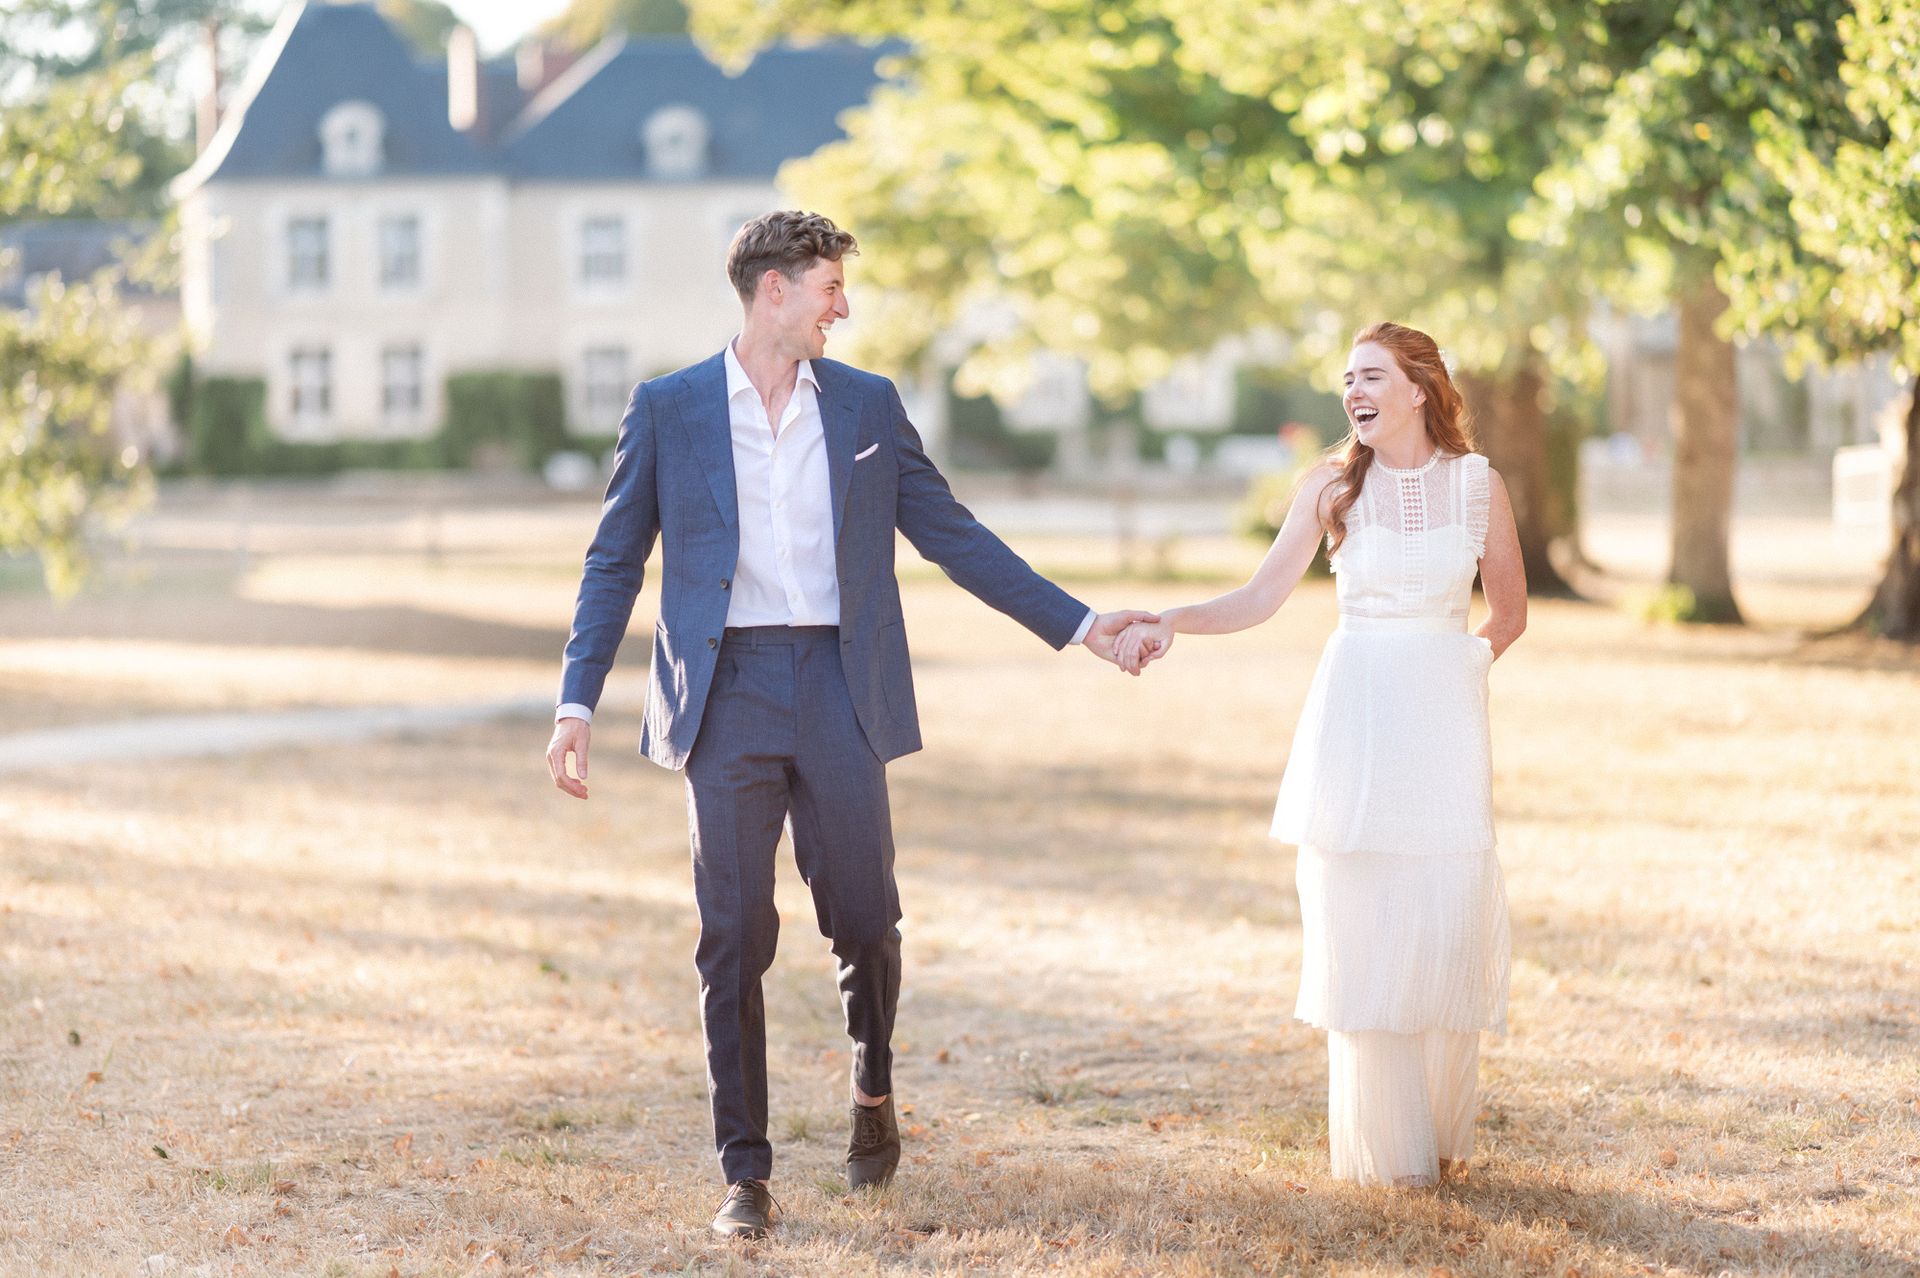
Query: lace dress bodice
x=1414 y=540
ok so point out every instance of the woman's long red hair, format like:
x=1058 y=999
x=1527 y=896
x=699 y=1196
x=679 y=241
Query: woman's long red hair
x=1449 y=424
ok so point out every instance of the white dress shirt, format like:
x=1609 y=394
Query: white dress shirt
x=787 y=574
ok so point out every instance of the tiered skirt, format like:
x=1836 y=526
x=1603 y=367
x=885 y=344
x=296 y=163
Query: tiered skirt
x=1388 y=796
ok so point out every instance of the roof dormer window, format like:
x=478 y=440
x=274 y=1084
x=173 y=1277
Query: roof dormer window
x=352 y=139
x=675 y=138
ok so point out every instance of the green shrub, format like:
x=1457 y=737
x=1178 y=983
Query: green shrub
x=227 y=422
x=181 y=385
x=524 y=412
x=1264 y=508
x=982 y=440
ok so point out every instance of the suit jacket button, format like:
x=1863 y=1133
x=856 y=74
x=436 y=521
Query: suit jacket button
x=725 y=584
x=713 y=643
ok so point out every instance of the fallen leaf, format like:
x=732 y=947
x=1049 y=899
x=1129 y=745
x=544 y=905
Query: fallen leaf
x=1668 y=1158
x=162 y=1151
x=235 y=1237
x=281 y=1187
x=575 y=1249
x=403 y=1144
x=73 y=1038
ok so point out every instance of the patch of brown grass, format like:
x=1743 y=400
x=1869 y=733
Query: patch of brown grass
x=403 y=1008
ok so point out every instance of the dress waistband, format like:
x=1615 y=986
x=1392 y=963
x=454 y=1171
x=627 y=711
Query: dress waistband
x=1405 y=625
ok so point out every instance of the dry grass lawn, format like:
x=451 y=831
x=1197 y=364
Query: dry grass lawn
x=403 y=1009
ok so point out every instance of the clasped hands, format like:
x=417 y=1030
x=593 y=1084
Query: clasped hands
x=1130 y=639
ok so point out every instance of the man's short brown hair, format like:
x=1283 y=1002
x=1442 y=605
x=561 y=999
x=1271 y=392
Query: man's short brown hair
x=786 y=241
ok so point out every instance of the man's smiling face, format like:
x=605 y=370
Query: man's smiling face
x=811 y=305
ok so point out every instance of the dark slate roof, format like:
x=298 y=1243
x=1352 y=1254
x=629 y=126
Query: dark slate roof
x=585 y=126
x=787 y=103
x=500 y=96
x=319 y=56
x=72 y=249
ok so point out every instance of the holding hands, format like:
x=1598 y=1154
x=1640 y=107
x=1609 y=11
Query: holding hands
x=1143 y=641
x=1129 y=639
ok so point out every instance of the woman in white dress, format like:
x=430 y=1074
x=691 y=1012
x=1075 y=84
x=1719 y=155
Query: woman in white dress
x=1387 y=793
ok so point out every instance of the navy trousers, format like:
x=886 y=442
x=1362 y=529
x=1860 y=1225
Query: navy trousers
x=779 y=740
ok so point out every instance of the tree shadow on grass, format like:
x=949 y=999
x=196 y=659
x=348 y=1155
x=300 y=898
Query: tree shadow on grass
x=996 y=834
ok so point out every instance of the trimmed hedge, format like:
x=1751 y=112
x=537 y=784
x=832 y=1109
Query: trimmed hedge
x=524 y=412
x=226 y=424
x=522 y=415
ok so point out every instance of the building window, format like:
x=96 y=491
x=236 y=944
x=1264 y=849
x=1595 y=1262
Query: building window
x=310 y=370
x=352 y=139
x=401 y=396
x=400 y=252
x=603 y=251
x=307 y=253
x=603 y=378
x=675 y=139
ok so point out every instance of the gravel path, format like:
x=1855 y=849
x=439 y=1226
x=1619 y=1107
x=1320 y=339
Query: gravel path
x=187 y=736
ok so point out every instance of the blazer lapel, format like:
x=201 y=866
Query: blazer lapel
x=702 y=403
x=840 y=420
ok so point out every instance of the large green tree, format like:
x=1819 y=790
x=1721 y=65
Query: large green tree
x=1846 y=283
x=426 y=24
x=63 y=358
x=144 y=46
x=1133 y=181
x=584 y=23
x=1658 y=170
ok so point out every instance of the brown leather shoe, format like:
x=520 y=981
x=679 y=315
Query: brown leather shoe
x=874 y=1150
x=747 y=1211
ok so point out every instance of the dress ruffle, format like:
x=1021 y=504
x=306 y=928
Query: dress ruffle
x=1479 y=488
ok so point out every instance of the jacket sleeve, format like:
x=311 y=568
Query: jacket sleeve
x=946 y=533
x=617 y=559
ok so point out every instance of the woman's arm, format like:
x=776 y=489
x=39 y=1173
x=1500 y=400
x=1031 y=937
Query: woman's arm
x=1503 y=575
x=1249 y=605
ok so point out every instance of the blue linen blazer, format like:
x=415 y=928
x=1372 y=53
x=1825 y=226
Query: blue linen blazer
x=673 y=481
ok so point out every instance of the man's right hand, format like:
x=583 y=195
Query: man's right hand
x=569 y=738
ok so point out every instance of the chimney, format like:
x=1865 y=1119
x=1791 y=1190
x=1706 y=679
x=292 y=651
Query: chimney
x=465 y=103
x=539 y=63
x=207 y=116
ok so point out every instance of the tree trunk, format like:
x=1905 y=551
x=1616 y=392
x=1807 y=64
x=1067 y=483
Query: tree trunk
x=1705 y=446
x=1511 y=422
x=1895 y=610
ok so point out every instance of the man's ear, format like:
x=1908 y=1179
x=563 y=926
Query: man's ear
x=773 y=285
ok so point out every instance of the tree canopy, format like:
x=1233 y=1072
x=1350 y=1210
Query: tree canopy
x=584 y=23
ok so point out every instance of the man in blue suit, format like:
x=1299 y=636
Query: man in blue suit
x=781 y=683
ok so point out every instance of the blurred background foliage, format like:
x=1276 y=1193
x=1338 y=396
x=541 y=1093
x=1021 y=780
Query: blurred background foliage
x=1129 y=182
x=1132 y=181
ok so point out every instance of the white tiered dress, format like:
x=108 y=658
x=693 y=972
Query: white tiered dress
x=1387 y=793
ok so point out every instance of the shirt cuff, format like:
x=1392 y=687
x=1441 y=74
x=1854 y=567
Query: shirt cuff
x=1080 y=635
x=573 y=710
